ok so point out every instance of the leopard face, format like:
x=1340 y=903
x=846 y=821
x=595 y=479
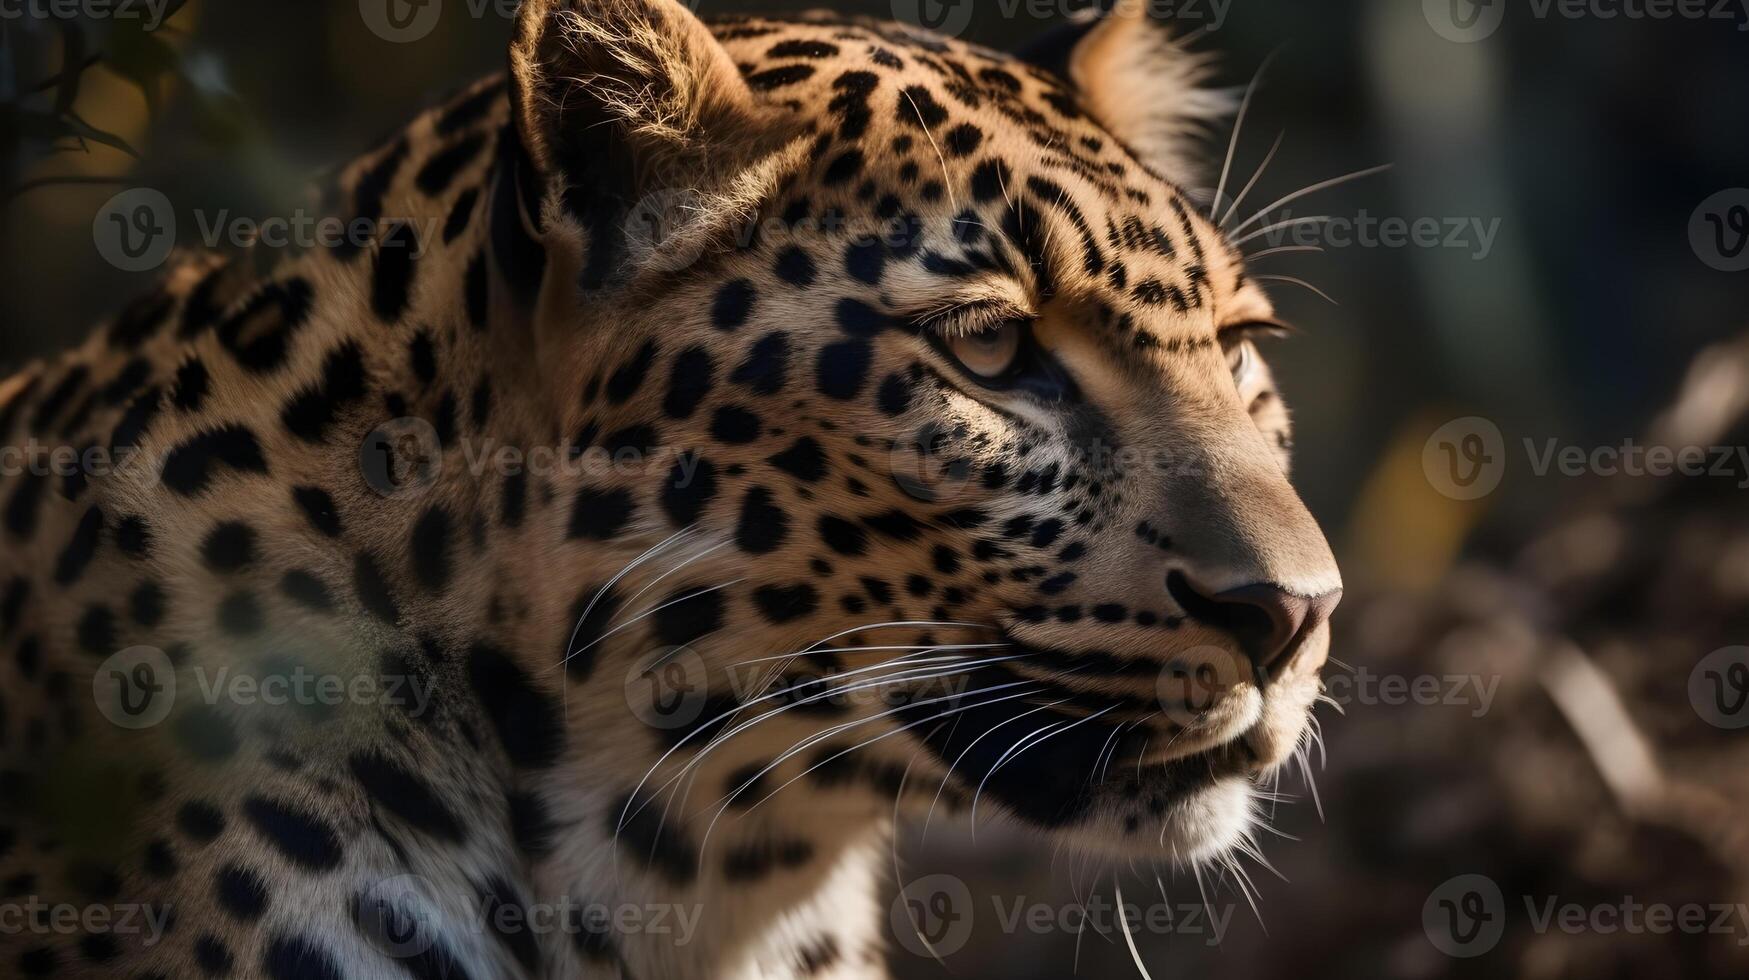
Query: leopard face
x=977 y=407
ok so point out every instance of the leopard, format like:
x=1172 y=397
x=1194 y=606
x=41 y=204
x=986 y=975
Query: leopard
x=723 y=443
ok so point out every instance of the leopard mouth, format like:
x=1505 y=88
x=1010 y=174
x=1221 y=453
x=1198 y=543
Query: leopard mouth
x=1056 y=759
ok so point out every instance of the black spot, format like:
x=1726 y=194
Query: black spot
x=733 y=305
x=497 y=893
x=531 y=825
x=688 y=383
x=314 y=408
x=206 y=734
x=476 y=292
x=429 y=551
x=99 y=947
x=440 y=171
x=804 y=460
x=895 y=524
x=160 y=859
x=963 y=140
x=842 y=536
x=406 y=795
x=688 y=615
x=97 y=631
x=690 y=486
x=515 y=501
x=780 y=604
x=307 y=591
x=780 y=76
x=229 y=547
x=259 y=335
x=240 y=892
x=527 y=722
x=751 y=862
x=1046 y=533
x=862 y=320
x=767 y=365
x=625 y=381
x=189 y=468
x=76 y=557
x=865 y=260
x=212 y=956
x=894 y=397
x=843 y=168
x=469 y=109
x=763 y=526
x=461 y=214
x=24 y=505
x=200 y=822
x=796 y=267
x=653 y=841
x=146 y=605
x=302 y=838
x=990 y=181
x=240 y=615
x=843 y=369
x=41 y=961
x=917 y=106
x=591 y=616
x=191 y=385
x=133 y=537
x=373 y=589
x=600 y=514
x=734 y=425
x=798 y=48
x=422 y=358
x=298 y=958
x=392 y=284
x=319 y=510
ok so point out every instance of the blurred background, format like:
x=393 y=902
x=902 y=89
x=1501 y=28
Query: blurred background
x=1542 y=737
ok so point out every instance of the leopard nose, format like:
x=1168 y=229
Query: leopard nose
x=1268 y=621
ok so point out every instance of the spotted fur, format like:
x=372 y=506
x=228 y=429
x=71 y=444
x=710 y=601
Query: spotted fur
x=812 y=495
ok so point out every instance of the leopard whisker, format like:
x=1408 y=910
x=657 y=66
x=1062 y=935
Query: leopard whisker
x=1313 y=189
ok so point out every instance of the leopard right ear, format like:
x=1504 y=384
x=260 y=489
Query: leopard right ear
x=619 y=103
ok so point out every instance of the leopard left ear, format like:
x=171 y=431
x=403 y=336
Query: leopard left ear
x=1141 y=83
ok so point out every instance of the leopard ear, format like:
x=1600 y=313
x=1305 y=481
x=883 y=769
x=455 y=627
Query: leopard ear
x=623 y=102
x=1141 y=83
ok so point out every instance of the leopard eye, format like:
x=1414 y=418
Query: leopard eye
x=989 y=353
